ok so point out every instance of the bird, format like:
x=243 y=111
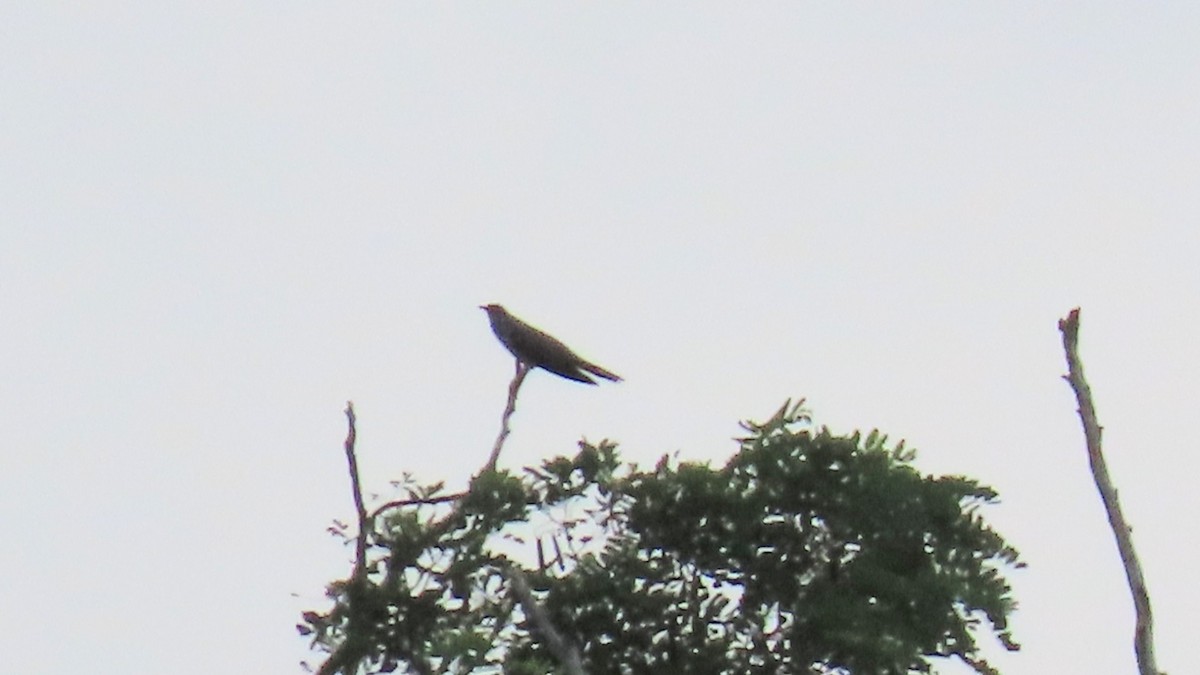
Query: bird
x=537 y=349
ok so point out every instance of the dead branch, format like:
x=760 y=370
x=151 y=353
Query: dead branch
x=348 y=654
x=509 y=408
x=1143 y=636
x=346 y=657
x=364 y=521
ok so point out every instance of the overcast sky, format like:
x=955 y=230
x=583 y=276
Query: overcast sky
x=220 y=221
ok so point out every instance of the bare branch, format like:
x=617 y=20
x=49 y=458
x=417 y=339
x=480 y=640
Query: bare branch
x=513 y=388
x=348 y=653
x=563 y=650
x=1143 y=637
x=364 y=521
x=420 y=501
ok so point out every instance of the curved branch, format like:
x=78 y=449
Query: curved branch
x=419 y=501
x=1143 y=636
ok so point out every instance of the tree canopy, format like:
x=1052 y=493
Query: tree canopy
x=808 y=552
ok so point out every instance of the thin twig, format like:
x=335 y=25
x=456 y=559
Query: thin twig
x=563 y=650
x=420 y=501
x=509 y=408
x=1143 y=636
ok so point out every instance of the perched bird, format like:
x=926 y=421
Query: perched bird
x=538 y=350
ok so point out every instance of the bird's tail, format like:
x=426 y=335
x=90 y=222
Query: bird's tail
x=600 y=372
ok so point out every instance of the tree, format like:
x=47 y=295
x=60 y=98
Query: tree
x=808 y=552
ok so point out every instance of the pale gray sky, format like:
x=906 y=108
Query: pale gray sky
x=219 y=221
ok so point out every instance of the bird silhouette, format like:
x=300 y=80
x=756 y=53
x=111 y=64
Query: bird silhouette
x=537 y=349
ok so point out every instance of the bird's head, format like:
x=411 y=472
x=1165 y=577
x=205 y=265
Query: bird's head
x=494 y=310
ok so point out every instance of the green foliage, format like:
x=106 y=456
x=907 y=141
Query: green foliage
x=807 y=553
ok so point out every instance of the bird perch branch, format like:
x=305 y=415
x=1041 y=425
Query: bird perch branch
x=1143 y=637
x=350 y=652
x=509 y=409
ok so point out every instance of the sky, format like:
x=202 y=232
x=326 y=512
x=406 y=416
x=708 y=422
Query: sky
x=221 y=221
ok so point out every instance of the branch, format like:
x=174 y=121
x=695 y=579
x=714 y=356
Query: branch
x=563 y=650
x=349 y=652
x=518 y=378
x=419 y=501
x=1143 y=636
x=364 y=521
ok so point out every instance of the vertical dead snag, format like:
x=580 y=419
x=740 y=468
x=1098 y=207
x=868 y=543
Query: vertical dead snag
x=1143 y=639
